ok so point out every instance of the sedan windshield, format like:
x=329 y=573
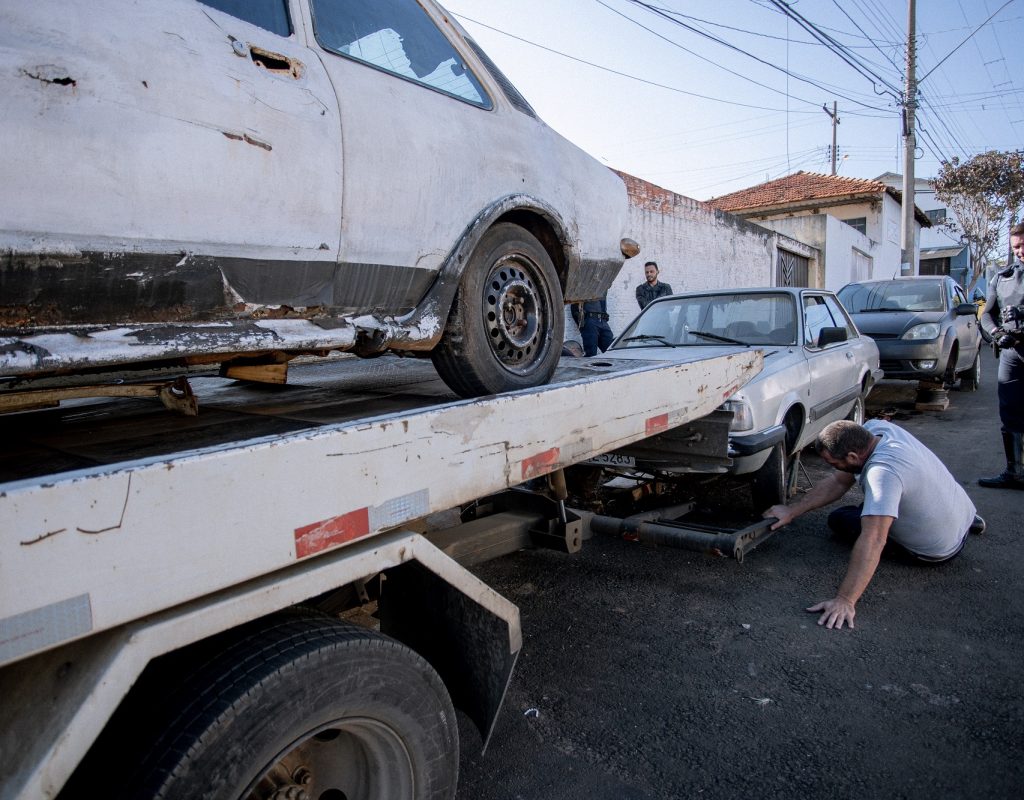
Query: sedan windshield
x=720 y=319
x=860 y=298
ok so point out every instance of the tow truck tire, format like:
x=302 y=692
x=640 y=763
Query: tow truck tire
x=505 y=328
x=769 y=485
x=302 y=705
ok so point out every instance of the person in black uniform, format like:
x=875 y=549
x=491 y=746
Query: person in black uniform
x=594 y=328
x=1003 y=319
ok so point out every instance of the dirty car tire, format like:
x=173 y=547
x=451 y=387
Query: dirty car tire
x=505 y=328
x=768 y=486
x=970 y=379
x=857 y=411
x=295 y=704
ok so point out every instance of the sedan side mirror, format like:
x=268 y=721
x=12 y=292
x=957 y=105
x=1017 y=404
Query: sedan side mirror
x=829 y=336
x=966 y=309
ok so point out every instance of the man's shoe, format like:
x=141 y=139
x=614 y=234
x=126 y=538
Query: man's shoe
x=1005 y=480
x=978 y=526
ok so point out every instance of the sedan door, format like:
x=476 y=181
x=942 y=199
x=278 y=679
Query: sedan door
x=834 y=369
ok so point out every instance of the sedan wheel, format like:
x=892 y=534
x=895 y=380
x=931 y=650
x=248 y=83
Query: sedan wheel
x=769 y=484
x=857 y=412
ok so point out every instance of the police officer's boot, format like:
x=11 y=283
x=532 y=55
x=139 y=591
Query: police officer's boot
x=1013 y=477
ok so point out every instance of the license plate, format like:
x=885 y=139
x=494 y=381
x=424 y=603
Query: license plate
x=613 y=460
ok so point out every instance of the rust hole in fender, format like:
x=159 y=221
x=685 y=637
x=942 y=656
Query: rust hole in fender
x=275 y=62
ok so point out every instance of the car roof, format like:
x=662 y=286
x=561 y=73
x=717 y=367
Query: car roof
x=902 y=279
x=794 y=291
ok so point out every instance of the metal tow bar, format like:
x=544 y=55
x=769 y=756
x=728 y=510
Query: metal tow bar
x=701 y=538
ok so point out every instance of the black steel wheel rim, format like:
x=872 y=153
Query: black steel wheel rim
x=516 y=312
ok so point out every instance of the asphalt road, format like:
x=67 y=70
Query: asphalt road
x=656 y=673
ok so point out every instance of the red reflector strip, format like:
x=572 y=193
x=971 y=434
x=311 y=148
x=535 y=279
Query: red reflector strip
x=656 y=424
x=331 y=532
x=730 y=391
x=541 y=464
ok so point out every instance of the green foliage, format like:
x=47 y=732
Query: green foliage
x=986 y=192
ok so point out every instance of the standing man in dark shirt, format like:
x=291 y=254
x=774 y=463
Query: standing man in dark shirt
x=651 y=289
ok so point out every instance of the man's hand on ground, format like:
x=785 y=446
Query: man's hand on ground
x=784 y=514
x=835 y=612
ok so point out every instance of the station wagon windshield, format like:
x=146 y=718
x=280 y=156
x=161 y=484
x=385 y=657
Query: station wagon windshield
x=860 y=298
x=717 y=319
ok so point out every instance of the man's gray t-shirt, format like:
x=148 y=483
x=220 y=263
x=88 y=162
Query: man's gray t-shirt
x=904 y=479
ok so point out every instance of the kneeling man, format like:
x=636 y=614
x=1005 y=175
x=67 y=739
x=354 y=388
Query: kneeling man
x=911 y=501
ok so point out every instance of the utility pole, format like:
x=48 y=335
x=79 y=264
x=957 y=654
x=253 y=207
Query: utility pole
x=908 y=265
x=835 y=121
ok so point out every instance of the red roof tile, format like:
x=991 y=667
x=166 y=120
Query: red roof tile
x=800 y=186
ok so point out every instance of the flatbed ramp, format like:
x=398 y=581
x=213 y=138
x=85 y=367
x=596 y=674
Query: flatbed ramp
x=104 y=501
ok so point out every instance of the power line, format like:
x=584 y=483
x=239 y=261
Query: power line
x=971 y=35
x=760 y=34
x=625 y=74
x=849 y=58
x=838 y=5
x=728 y=45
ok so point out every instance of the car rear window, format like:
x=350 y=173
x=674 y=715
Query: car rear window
x=271 y=15
x=396 y=36
x=861 y=298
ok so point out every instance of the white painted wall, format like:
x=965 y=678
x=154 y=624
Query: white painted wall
x=696 y=248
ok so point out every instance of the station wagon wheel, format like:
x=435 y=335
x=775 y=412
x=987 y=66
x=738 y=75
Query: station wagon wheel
x=506 y=325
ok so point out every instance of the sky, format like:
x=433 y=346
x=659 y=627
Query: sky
x=706 y=97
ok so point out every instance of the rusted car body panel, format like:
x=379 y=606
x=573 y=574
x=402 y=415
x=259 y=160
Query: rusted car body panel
x=180 y=183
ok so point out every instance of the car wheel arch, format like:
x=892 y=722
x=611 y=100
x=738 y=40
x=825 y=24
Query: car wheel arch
x=533 y=215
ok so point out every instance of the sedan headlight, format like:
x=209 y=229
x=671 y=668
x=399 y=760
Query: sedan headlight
x=927 y=330
x=742 y=416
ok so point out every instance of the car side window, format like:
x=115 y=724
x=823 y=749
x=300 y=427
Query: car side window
x=816 y=317
x=839 y=316
x=396 y=36
x=271 y=15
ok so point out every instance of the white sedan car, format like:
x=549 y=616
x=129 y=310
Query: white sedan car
x=817 y=368
x=193 y=183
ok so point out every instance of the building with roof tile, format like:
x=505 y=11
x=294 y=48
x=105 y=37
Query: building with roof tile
x=854 y=223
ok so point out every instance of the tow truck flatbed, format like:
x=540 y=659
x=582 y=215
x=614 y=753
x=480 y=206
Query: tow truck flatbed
x=128 y=532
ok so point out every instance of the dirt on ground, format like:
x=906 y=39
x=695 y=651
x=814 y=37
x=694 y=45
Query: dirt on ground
x=659 y=673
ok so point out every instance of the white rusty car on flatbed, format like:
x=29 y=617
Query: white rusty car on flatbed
x=237 y=183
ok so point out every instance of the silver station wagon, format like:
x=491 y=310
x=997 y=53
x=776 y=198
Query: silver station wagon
x=817 y=369
x=225 y=182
